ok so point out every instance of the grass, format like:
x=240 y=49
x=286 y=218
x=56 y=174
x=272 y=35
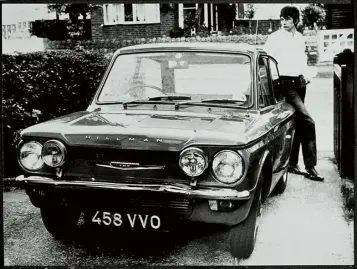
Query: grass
x=9 y=184
x=347 y=190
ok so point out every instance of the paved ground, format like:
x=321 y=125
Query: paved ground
x=303 y=226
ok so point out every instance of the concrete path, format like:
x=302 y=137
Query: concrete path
x=310 y=213
x=305 y=225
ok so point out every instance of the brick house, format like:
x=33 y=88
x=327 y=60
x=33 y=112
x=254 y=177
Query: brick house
x=128 y=21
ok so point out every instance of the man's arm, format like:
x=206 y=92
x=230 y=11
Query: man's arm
x=307 y=71
x=269 y=45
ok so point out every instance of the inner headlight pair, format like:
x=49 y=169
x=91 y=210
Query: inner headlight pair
x=33 y=155
x=227 y=165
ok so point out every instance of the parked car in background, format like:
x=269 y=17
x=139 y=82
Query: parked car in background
x=176 y=131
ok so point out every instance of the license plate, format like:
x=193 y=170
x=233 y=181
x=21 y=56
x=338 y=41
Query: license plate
x=141 y=221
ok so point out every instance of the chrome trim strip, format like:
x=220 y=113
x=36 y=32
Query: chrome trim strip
x=211 y=193
x=156 y=167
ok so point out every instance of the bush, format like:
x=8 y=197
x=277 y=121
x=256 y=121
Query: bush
x=347 y=190
x=41 y=86
x=62 y=29
x=312 y=14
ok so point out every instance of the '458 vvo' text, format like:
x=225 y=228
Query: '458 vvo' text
x=133 y=220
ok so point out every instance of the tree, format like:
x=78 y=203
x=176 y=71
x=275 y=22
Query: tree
x=250 y=11
x=249 y=14
x=313 y=14
x=73 y=10
x=76 y=28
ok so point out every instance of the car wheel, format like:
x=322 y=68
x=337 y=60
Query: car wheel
x=282 y=183
x=60 y=222
x=243 y=236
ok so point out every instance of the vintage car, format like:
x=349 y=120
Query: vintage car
x=193 y=132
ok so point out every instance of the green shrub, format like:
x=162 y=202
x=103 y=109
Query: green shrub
x=348 y=194
x=41 y=86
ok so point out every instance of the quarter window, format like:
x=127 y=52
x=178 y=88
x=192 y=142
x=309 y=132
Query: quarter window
x=265 y=94
x=131 y=13
x=274 y=75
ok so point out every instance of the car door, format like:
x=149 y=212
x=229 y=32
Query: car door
x=273 y=112
x=283 y=115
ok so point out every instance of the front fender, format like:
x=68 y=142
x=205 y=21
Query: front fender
x=256 y=169
x=262 y=160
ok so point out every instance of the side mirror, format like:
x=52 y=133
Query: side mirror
x=277 y=83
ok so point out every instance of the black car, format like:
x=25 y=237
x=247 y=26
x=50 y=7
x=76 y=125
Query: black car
x=197 y=132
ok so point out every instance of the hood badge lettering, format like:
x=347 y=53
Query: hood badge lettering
x=131 y=166
x=131 y=139
x=124 y=164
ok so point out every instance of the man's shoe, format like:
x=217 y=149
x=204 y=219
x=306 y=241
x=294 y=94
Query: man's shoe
x=312 y=174
x=296 y=170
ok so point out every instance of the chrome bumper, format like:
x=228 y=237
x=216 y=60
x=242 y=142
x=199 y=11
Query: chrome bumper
x=211 y=193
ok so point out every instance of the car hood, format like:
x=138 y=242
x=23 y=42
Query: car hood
x=142 y=129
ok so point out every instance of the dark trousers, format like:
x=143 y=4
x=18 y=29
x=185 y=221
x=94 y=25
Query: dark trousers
x=305 y=134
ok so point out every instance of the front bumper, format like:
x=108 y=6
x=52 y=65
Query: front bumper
x=207 y=193
x=181 y=201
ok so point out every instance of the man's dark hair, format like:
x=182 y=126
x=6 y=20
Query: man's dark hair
x=290 y=11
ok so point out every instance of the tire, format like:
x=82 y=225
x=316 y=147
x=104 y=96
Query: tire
x=282 y=183
x=243 y=236
x=60 y=222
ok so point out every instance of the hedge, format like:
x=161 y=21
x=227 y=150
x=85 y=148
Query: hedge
x=110 y=45
x=44 y=85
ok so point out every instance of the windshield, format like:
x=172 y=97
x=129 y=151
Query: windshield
x=195 y=76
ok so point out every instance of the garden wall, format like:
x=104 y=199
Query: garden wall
x=111 y=45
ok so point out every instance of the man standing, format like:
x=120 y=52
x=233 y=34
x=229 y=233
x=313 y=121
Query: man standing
x=287 y=46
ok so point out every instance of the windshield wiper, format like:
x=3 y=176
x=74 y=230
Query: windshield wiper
x=170 y=98
x=209 y=102
x=223 y=101
x=165 y=99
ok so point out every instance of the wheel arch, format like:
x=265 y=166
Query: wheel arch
x=265 y=168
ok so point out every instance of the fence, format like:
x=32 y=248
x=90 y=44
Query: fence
x=334 y=41
x=22 y=45
x=344 y=117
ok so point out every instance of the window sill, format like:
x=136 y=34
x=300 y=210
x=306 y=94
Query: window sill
x=131 y=23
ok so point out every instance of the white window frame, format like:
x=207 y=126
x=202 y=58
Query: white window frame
x=118 y=12
x=181 y=8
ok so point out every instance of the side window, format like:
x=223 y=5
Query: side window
x=265 y=93
x=274 y=75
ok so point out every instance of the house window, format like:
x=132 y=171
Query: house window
x=131 y=13
x=187 y=11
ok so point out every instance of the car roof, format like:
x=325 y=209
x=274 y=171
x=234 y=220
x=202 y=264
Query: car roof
x=187 y=46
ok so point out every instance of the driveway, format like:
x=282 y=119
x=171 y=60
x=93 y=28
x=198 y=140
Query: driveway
x=303 y=226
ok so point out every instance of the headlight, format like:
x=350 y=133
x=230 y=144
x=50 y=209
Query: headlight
x=53 y=153
x=30 y=155
x=227 y=166
x=193 y=162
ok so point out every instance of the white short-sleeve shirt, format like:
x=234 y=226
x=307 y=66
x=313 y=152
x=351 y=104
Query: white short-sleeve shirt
x=289 y=51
